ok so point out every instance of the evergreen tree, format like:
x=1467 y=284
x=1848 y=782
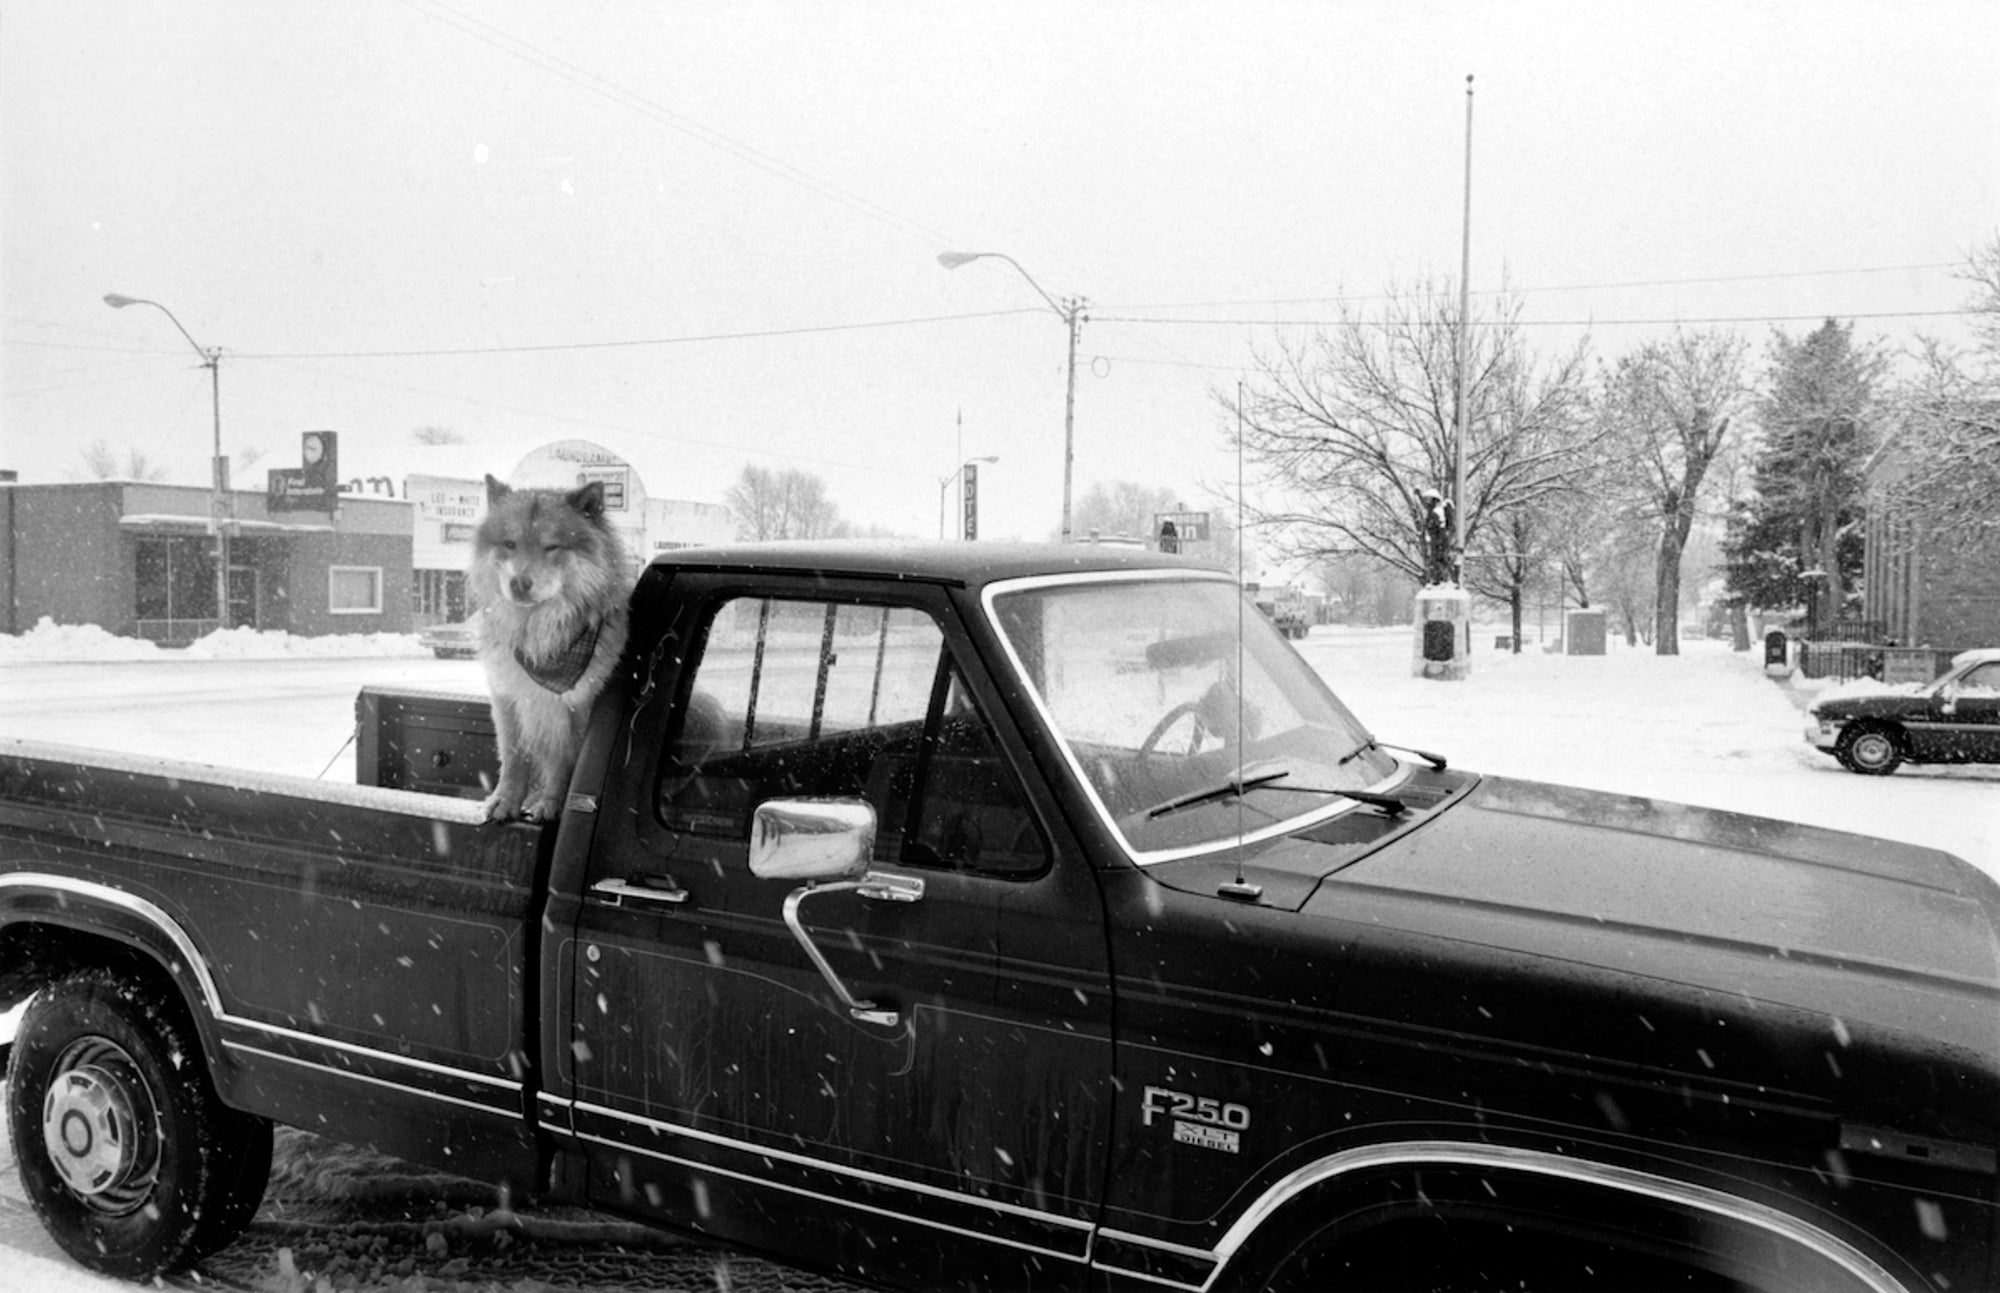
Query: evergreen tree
x=1799 y=535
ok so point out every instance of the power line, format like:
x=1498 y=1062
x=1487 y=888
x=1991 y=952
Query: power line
x=754 y=335
x=570 y=418
x=102 y=350
x=1570 y=287
x=1566 y=323
x=592 y=83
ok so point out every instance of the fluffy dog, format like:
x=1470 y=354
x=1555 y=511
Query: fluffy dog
x=552 y=582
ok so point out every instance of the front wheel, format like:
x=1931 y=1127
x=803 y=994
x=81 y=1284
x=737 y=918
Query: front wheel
x=1872 y=751
x=131 y=1161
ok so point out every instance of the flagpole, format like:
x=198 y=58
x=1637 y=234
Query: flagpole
x=1464 y=349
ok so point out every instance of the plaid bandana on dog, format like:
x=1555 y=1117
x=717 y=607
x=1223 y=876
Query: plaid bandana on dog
x=565 y=669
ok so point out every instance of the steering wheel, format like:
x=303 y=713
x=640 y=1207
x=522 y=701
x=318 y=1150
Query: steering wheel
x=1186 y=709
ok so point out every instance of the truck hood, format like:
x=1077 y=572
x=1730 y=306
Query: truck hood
x=1649 y=867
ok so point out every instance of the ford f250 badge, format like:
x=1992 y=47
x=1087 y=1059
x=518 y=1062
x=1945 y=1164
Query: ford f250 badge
x=1198 y=1120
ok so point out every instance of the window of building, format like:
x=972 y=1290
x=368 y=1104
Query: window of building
x=354 y=590
x=174 y=577
x=440 y=595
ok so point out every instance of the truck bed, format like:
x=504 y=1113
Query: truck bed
x=357 y=948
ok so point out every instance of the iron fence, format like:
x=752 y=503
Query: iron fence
x=1846 y=661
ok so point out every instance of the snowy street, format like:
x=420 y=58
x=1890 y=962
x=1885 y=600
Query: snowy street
x=1705 y=727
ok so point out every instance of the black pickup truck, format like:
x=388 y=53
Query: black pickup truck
x=1007 y=917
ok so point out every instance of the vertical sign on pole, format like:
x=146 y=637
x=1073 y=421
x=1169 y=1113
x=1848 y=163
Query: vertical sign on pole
x=971 y=492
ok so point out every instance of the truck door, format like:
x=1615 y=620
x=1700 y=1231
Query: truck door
x=718 y=1079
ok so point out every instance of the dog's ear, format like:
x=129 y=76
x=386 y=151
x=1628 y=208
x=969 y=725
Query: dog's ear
x=495 y=489
x=588 y=499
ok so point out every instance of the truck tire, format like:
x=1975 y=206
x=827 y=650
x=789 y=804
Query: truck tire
x=131 y=1161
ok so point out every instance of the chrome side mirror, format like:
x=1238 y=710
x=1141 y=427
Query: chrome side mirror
x=811 y=839
x=828 y=844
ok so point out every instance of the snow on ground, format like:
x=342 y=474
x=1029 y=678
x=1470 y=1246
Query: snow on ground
x=50 y=641
x=1705 y=727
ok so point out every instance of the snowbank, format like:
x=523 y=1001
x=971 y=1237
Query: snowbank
x=50 y=642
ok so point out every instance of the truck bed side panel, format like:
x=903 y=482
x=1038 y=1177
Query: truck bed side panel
x=362 y=947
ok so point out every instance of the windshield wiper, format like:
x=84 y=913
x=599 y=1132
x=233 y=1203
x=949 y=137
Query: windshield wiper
x=1370 y=744
x=1234 y=786
x=1435 y=760
x=1250 y=781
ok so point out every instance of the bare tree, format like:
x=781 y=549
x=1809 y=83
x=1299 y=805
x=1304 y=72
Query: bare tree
x=1346 y=428
x=1125 y=507
x=1949 y=416
x=1512 y=560
x=1669 y=404
x=101 y=462
x=1949 y=420
x=786 y=504
x=1362 y=590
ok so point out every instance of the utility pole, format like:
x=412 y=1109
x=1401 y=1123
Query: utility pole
x=1073 y=316
x=1070 y=310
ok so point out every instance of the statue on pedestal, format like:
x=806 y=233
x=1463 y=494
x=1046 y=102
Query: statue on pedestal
x=1437 y=537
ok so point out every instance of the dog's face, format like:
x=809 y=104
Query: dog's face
x=539 y=543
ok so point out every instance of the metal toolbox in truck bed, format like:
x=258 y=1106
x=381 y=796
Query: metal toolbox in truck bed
x=433 y=742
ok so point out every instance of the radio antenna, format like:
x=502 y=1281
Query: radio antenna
x=1239 y=887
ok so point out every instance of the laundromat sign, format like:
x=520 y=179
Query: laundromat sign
x=569 y=464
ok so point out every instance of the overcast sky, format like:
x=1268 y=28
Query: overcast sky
x=706 y=234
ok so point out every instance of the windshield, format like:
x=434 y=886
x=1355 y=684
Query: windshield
x=1184 y=714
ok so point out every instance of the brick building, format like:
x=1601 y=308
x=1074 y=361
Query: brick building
x=1925 y=586
x=139 y=560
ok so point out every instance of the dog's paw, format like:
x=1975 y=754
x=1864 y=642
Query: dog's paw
x=499 y=808
x=542 y=808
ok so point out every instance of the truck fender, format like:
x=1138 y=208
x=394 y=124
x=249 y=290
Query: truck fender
x=36 y=901
x=1344 y=1183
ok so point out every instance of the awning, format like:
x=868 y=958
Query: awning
x=167 y=523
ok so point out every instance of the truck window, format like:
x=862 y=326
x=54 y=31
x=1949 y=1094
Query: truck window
x=807 y=699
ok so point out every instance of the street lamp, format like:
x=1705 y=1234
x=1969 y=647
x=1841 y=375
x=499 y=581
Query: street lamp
x=944 y=485
x=1070 y=311
x=219 y=483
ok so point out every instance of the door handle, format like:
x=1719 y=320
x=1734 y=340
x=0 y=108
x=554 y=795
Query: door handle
x=886 y=886
x=640 y=891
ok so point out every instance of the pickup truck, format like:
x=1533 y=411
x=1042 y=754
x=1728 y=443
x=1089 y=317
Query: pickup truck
x=1285 y=607
x=991 y=916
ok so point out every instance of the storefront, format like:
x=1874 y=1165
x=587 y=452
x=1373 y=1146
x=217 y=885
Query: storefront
x=448 y=509
x=140 y=560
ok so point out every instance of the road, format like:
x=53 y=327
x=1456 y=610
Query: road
x=290 y=716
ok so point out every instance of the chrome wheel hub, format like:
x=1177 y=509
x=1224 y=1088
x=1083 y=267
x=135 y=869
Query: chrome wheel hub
x=98 y=1127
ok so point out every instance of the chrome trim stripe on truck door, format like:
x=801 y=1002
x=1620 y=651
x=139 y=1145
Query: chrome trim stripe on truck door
x=989 y=1220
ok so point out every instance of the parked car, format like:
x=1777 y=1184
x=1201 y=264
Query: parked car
x=1955 y=719
x=458 y=640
